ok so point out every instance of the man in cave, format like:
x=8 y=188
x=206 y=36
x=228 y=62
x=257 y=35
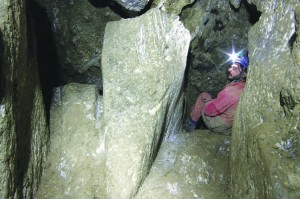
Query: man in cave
x=218 y=114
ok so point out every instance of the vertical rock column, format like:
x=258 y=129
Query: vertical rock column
x=264 y=160
x=23 y=130
x=143 y=64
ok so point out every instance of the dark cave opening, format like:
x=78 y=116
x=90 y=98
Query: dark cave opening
x=112 y=5
x=254 y=14
x=292 y=41
x=47 y=58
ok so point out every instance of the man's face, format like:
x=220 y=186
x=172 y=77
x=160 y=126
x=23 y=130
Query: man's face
x=234 y=71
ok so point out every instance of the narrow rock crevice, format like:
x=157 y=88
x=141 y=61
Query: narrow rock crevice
x=47 y=58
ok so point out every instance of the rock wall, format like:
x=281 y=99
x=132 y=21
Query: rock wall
x=23 y=128
x=143 y=71
x=264 y=153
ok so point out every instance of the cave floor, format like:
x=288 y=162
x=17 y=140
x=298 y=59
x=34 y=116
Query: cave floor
x=189 y=165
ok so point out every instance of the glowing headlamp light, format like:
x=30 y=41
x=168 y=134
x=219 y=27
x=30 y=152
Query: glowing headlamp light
x=236 y=57
x=233 y=56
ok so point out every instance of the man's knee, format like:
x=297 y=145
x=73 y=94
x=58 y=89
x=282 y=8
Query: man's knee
x=205 y=97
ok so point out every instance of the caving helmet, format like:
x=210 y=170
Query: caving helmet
x=243 y=60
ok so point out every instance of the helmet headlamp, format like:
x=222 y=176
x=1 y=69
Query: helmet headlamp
x=238 y=58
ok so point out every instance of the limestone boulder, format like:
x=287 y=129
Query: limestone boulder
x=75 y=164
x=143 y=71
x=264 y=152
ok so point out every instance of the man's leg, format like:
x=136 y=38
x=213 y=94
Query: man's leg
x=217 y=125
x=198 y=107
x=196 y=112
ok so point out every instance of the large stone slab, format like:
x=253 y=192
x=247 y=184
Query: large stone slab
x=75 y=164
x=264 y=153
x=143 y=66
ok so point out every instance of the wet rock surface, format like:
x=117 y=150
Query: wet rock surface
x=193 y=165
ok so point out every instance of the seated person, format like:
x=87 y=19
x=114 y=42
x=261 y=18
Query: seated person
x=217 y=114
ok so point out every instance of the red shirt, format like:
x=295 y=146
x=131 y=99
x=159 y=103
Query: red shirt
x=226 y=102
